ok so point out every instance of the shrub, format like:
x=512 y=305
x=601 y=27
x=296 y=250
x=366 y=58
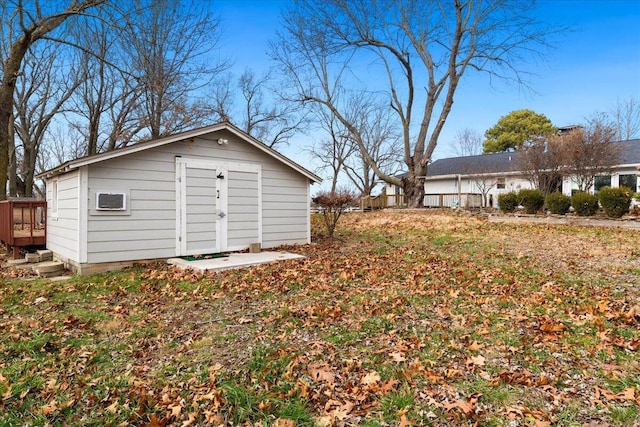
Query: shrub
x=585 y=204
x=332 y=204
x=615 y=201
x=532 y=200
x=508 y=202
x=558 y=203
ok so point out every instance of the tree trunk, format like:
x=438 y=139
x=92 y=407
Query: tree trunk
x=29 y=169
x=7 y=89
x=13 y=162
x=413 y=186
x=6 y=106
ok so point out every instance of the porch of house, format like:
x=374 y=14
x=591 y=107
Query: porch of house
x=23 y=224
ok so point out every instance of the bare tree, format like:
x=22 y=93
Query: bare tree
x=333 y=151
x=221 y=105
x=589 y=151
x=467 y=142
x=342 y=155
x=273 y=122
x=407 y=45
x=60 y=145
x=582 y=153
x=170 y=44
x=380 y=137
x=626 y=118
x=543 y=162
x=484 y=182
x=22 y=27
x=106 y=105
x=41 y=91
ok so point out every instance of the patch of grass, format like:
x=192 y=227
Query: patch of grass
x=296 y=410
x=621 y=383
x=242 y=403
x=341 y=336
x=500 y=395
x=442 y=240
x=393 y=403
x=376 y=325
x=626 y=416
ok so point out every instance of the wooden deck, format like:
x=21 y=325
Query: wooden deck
x=23 y=223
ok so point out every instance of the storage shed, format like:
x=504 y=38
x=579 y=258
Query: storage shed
x=208 y=190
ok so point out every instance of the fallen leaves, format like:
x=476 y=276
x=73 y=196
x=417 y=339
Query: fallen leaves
x=383 y=324
x=322 y=373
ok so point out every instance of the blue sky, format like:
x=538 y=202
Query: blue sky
x=593 y=66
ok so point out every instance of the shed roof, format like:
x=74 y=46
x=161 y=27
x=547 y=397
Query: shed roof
x=88 y=160
x=507 y=161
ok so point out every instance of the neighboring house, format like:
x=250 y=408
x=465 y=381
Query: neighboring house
x=204 y=191
x=465 y=180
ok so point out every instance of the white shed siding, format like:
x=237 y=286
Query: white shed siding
x=62 y=227
x=148 y=228
x=141 y=232
x=243 y=209
x=284 y=208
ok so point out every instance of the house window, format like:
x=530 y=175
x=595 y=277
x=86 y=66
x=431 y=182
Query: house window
x=629 y=181
x=54 y=197
x=601 y=181
x=501 y=183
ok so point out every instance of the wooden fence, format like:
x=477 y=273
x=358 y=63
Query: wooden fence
x=448 y=200
x=445 y=200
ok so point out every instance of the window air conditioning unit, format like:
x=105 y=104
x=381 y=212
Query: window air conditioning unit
x=111 y=201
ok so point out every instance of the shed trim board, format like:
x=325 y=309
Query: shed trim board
x=83 y=210
x=74 y=164
x=220 y=208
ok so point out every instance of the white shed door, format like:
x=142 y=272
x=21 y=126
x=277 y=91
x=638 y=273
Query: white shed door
x=243 y=209
x=218 y=206
x=198 y=213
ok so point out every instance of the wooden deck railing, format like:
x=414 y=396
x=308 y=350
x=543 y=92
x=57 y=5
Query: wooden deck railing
x=23 y=223
x=382 y=201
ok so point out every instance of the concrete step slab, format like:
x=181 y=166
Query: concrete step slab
x=44 y=255
x=49 y=268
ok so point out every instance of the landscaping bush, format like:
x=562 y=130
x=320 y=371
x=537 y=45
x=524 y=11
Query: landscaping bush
x=585 y=204
x=615 y=201
x=558 y=203
x=508 y=202
x=332 y=204
x=532 y=200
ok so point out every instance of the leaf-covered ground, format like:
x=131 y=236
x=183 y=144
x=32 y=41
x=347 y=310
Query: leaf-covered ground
x=406 y=318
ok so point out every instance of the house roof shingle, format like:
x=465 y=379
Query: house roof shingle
x=507 y=161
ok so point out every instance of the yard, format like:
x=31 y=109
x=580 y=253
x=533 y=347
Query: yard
x=406 y=318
